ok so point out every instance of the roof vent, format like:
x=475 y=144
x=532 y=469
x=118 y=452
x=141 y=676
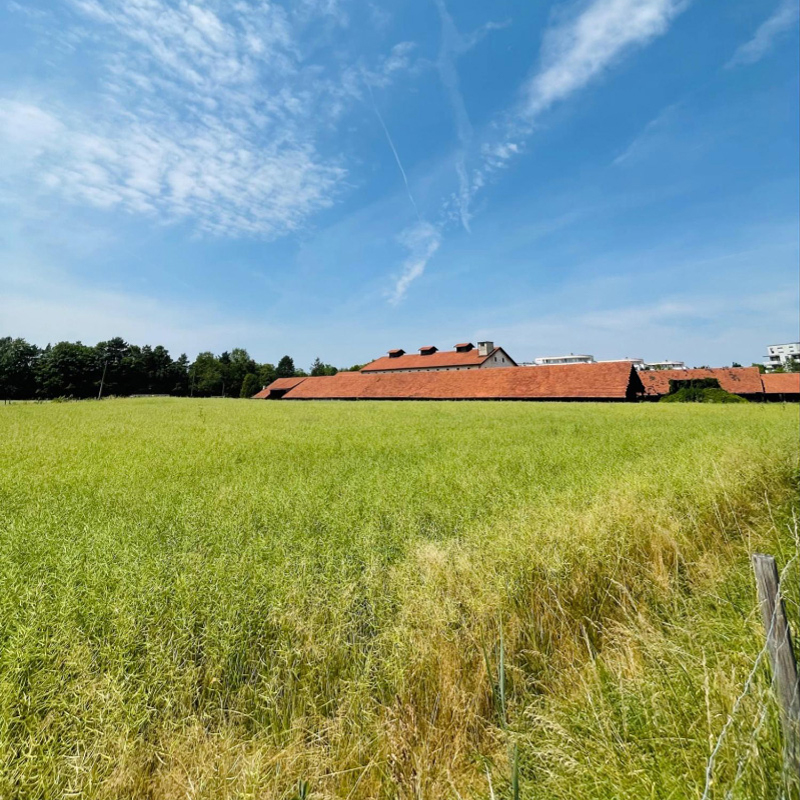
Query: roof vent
x=485 y=348
x=464 y=347
x=396 y=353
x=428 y=351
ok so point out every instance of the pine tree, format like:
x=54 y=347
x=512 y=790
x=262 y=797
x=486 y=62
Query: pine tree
x=285 y=368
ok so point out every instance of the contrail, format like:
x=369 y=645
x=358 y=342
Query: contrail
x=394 y=149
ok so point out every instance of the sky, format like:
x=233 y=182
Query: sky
x=335 y=178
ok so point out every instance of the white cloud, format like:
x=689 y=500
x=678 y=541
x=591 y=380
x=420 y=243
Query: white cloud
x=209 y=114
x=28 y=126
x=782 y=20
x=421 y=240
x=576 y=51
x=452 y=44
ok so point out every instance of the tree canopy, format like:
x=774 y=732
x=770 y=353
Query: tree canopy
x=73 y=369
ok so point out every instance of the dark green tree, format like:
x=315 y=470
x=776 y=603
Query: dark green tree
x=179 y=376
x=68 y=369
x=250 y=385
x=207 y=375
x=318 y=368
x=240 y=365
x=116 y=358
x=285 y=368
x=17 y=364
x=266 y=374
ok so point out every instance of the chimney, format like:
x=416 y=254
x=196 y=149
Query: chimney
x=484 y=348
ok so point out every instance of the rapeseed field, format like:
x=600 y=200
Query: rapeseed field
x=224 y=599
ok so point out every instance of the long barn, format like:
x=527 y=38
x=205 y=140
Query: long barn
x=613 y=381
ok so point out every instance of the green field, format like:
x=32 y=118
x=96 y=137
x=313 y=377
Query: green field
x=221 y=598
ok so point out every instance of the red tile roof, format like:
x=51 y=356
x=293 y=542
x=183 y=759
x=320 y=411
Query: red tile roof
x=609 y=381
x=281 y=384
x=781 y=383
x=736 y=380
x=469 y=358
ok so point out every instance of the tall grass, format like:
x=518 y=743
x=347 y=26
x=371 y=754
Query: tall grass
x=232 y=599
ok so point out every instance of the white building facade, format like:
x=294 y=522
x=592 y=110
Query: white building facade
x=782 y=355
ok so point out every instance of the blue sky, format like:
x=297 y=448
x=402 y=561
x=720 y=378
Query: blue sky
x=337 y=177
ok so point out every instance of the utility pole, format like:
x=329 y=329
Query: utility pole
x=102 y=380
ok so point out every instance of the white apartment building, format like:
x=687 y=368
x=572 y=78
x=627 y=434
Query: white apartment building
x=782 y=355
x=547 y=361
x=583 y=358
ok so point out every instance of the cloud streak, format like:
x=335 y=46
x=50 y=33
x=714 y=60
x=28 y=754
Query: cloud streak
x=422 y=241
x=579 y=49
x=575 y=51
x=216 y=117
x=780 y=22
x=452 y=45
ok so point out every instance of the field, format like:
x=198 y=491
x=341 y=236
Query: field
x=220 y=598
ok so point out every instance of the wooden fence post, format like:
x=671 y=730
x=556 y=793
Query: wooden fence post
x=781 y=656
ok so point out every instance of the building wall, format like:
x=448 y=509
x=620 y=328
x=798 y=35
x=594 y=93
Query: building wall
x=499 y=359
x=552 y=362
x=782 y=355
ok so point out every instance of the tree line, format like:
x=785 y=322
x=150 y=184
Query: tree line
x=116 y=367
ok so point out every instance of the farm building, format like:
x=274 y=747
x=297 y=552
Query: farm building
x=613 y=381
x=463 y=356
x=744 y=381
x=277 y=389
x=781 y=386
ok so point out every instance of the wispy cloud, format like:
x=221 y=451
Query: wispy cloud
x=453 y=44
x=422 y=240
x=210 y=116
x=575 y=51
x=649 y=133
x=579 y=49
x=782 y=20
